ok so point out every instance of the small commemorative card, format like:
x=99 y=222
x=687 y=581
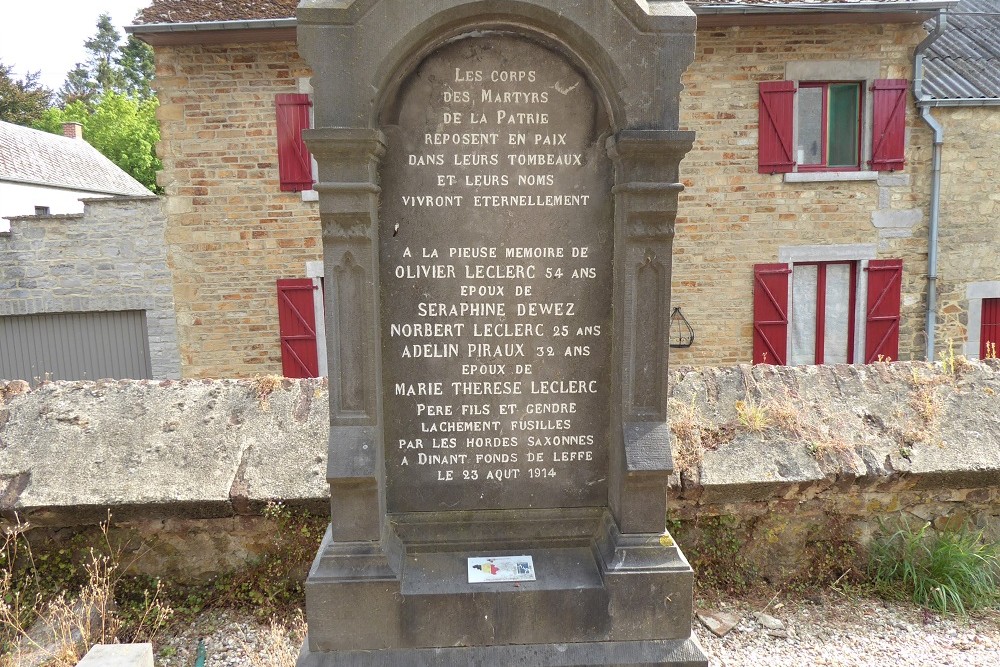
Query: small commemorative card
x=501 y=568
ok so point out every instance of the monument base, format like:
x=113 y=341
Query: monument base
x=607 y=599
x=672 y=653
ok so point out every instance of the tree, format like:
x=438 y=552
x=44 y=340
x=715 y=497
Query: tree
x=22 y=101
x=102 y=72
x=110 y=95
x=78 y=87
x=103 y=47
x=137 y=68
x=122 y=128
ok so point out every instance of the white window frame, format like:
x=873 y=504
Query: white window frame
x=807 y=254
x=315 y=271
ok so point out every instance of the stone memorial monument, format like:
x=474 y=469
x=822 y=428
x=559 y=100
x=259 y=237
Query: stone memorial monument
x=498 y=185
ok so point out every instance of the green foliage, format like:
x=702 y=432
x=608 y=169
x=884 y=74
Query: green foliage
x=135 y=61
x=30 y=580
x=948 y=571
x=272 y=584
x=111 y=96
x=78 y=87
x=833 y=557
x=122 y=128
x=101 y=74
x=715 y=548
x=102 y=47
x=22 y=101
x=48 y=577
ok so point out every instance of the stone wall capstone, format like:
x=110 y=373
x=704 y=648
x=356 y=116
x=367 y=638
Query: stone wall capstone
x=788 y=451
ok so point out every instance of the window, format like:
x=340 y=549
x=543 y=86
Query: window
x=989 y=336
x=984 y=319
x=829 y=126
x=807 y=311
x=831 y=117
x=42 y=210
x=823 y=304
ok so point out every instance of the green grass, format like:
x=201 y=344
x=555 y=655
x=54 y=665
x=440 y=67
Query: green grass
x=948 y=571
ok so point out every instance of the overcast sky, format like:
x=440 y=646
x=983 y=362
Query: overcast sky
x=47 y=35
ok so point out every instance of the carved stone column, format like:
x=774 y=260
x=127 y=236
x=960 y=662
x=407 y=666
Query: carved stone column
x=349 y=162
x=645 y=191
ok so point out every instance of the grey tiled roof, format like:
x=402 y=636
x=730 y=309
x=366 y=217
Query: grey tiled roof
x=964 y=62
x=197 y=11
x=33 y=156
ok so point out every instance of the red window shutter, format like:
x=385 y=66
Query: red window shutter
x=294 y=161
x=989 y=336
x=297 y=327
x=770 y=313
x=774 y=133
x=885 y=282
x=889 y=124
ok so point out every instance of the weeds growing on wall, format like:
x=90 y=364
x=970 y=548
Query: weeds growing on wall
x=270 y=584
x=947 y=571
x=56 y=605
x=60 y=600
x=832 y=551
x=716 y=549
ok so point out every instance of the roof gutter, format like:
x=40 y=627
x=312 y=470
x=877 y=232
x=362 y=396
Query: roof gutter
x=200 y=26
x=215 y=32
x=959 y=102
x=935 y=212
x=839 y=8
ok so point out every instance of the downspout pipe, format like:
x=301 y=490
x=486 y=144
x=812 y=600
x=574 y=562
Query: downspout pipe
x=935 y=204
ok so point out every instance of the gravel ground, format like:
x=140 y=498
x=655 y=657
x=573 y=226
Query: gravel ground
x=827 y=630
x=852 y=632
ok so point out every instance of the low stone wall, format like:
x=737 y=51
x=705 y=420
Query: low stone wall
x=782 y=459
x=790 y=462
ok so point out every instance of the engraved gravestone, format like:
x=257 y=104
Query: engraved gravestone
x=498 y=184
x=495 y=239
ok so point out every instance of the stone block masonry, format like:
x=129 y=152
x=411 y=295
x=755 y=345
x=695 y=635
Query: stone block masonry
x=187 y=466
x=232 y=233
x=970 y=210
x=731 y=217
x=109 y=258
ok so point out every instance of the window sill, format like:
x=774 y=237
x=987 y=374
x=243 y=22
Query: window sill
x=310 y=195
x=823 y=176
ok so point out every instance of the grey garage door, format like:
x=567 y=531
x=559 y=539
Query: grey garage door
x=75 y=346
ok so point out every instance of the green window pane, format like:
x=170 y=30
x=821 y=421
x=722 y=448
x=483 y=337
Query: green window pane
x=843 y=105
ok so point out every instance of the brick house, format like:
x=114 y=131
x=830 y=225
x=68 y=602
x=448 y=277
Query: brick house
x=802 y=235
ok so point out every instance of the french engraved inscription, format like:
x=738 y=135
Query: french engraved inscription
x=496 y=248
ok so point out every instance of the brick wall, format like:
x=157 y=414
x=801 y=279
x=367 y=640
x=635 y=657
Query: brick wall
x=969 y=241
x=232 y=233
x=230 y=230
x=109 y=258
x=731 y=217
